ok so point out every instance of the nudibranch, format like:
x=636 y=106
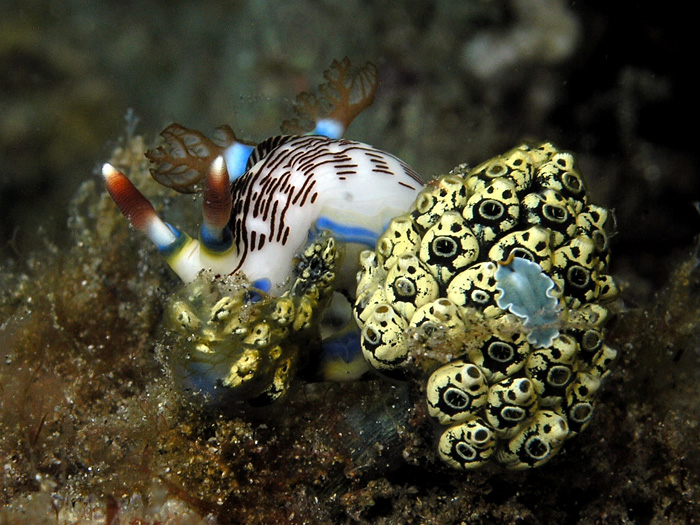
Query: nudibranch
x=289 y=216
x=491 y=293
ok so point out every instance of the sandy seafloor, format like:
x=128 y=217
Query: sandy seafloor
x=89 y=428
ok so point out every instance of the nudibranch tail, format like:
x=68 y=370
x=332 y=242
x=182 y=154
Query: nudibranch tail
x=340 y=358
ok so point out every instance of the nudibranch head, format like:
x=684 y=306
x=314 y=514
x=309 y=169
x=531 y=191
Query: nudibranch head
x=493 y=285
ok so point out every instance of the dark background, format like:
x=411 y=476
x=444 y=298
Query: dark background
x=460 y=82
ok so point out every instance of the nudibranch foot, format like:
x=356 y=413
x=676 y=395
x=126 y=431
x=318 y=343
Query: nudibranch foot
x=491 y=292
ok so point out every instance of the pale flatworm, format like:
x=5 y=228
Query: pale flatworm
x=526 y=291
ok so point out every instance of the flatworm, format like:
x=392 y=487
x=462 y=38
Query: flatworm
x=526 y=291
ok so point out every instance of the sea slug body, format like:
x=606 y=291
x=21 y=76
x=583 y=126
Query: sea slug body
x=289 y=217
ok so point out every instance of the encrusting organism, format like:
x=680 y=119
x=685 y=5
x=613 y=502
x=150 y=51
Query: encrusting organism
x=493 y=286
